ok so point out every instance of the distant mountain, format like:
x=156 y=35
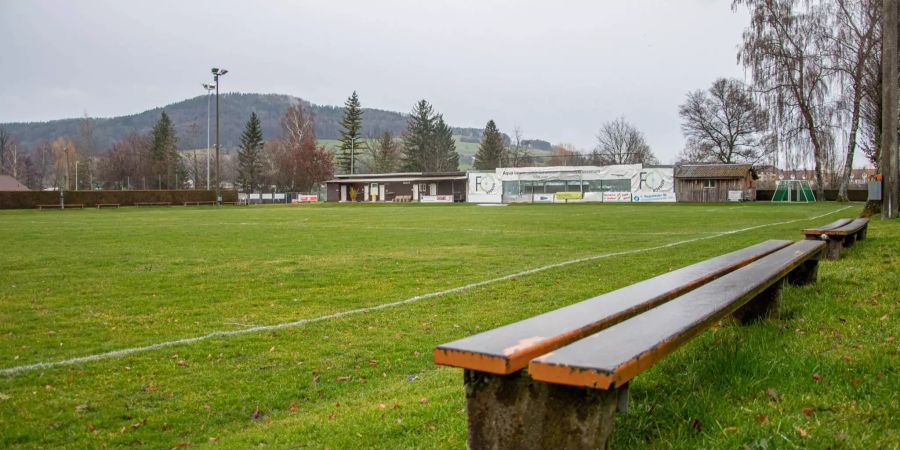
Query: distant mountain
x=189 y=117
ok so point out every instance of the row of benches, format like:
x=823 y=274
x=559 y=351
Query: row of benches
x=580 y=359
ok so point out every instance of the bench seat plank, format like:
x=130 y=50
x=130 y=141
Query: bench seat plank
x=509 y=348
x=825 y=228
x=611 y=357
x=850 y=228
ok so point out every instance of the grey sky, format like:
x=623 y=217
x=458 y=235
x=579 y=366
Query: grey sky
x=558 y=69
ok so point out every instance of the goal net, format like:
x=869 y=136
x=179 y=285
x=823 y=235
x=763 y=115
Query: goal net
x=793 y=191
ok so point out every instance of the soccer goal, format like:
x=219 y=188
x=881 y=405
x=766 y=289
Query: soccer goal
x=793 y=191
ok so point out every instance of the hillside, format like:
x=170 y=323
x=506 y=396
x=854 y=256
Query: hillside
x=189 y=117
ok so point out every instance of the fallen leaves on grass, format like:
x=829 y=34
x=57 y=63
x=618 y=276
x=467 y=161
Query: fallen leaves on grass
x=382 y=406
x=695 y=424
x=730 y=430
x=181 y=363
x=816 y=377
x=808 y=410
x=295 y=406
x=373 y=363
x=803 y=433
x=213 y=439
x=344 y=378
x=332 y=416
x=256 y=414
x=773 y=395
x=762 y=419
x=423 y=401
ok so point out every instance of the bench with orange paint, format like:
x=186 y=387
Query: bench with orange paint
x=839 y=234
x=580 y=358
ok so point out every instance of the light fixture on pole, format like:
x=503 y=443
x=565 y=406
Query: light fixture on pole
x=209 y=88
x=217 y=72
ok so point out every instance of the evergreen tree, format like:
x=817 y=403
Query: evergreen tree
x=352 y=143
x=443 y=149
x=417 y=140
x=490 y=152
x=385 y=154
x=250 y=163
x=164 y=152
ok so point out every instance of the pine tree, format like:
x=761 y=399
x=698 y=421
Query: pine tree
x=250 y=155
x=385 y=154
x=490 y=152
x=164 y=152
x=444 y=157
x=352 y=143
x=417 y=140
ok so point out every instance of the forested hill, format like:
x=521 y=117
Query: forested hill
x=189 y=117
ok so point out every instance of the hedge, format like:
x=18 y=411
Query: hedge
x=30 y=199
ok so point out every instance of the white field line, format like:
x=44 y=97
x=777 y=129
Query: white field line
x=301 y=322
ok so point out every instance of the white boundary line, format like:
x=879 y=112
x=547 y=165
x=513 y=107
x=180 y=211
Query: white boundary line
x=297 y=323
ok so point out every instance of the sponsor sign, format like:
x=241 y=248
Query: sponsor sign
x=648 y=197
x=543 y=198
x=568 y=195
x=437 y=199
x=617 y=196
x=735 y=196
x=306 y=199
x=484 y=187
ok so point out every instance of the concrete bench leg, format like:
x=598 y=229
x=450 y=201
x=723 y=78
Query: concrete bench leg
x=835 y=247
x=861 y=235
x=805 y=273
x=761 y=306
x=515 y=411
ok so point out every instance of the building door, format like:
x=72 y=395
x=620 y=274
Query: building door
x=432 y=189
x=343 y=192
x=373 y=192
x=381 y=193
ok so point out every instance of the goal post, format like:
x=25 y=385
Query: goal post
x=793 y=191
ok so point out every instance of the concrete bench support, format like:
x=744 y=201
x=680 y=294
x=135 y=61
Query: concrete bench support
x=516 y=411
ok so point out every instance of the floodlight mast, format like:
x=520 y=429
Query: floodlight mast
x=216 y=73
x=209 y=88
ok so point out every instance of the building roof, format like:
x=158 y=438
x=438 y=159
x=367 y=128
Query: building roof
x=398 y=177
x=712 y=170
x=8 y=183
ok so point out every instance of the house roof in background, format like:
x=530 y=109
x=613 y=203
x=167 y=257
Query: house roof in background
x=8 y=183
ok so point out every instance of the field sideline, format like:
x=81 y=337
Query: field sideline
x=81 y=283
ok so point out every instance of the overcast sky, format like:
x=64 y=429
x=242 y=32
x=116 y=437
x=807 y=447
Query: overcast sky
x=556 y=68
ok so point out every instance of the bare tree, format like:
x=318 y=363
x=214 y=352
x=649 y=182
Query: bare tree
x=852 y=34
x=517 y=154
x=299 y=163
x=787 y=59
x=890 y=108
x=620 y=142
x=6 y=142
x=724 y=124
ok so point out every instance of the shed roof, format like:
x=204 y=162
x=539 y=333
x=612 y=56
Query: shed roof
x=712 y=170
x=8 y=183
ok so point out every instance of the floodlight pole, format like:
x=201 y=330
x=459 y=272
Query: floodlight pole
x=209 y=88
x=216 y=73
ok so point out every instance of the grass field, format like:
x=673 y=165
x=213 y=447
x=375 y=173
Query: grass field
x=84 y=282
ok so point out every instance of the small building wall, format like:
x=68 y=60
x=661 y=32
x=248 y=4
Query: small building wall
x=693 y=190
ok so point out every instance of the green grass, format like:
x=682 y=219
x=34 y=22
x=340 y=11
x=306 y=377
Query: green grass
x=75 y=283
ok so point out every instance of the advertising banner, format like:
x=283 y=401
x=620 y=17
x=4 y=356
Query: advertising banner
x=568 y=195
x=649 y=197
x=613 y=197
x=437 y=199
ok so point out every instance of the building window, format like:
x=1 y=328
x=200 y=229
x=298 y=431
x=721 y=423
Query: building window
x=709 y=184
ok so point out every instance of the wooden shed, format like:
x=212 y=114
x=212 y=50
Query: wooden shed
x=712 y=182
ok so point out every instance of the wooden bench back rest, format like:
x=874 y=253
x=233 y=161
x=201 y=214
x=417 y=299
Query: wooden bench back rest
x=509 y=348
x=613 y=356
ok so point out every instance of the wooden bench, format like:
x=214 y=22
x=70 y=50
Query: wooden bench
x=58 y=206
x=839 y=234
x=107 y=205
x=210 y=202
x=153 y=204
x=580 y=358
